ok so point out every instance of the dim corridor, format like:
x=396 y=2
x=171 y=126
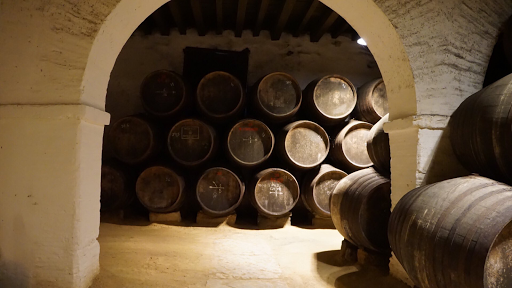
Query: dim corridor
x=156 y=255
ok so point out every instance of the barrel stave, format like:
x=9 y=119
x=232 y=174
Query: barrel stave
x=219 y=191
x=330 y=99
x=250 y=143
x=349 y=147
x=449 y=230
x=163 y=93
x=378 y=147
x=220 y=96
x=277 y=97
x=274 y=192
x=116 y=188
x=134 y=139
x=372 y=102
x=480 y=131
x=350 y=204
x=192 y=142
x=317 y=189
x=303 y=144
x=160 y=189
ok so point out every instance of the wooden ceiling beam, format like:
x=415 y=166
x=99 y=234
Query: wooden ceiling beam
x=240 y=17
x=261 y=17
x=315 y=36
x=306 y=18
x=340 y=30
x=162 y=22
x=220 y=26
x=198 y=16
x=283 y=18
x=176 y=15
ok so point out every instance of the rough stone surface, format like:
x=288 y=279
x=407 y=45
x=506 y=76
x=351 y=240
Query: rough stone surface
x=50 y=201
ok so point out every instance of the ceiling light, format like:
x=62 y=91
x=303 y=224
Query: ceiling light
x=361 y=42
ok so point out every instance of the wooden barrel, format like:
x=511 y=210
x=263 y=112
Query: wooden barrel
x=330 y=99
x=274 y=192
x=317 y=188
x=160 y=189
x=220 y=95
x=250 y=142
x=219 y=191
x=277 y=97
x=134 y=140
x=360 y=209
x=191 y=142
x=163 y=93
x=116 y=191
x=455 y=233
x=303 y=144
x=378 y=147
x=480 y=131
x=507 y=40
x=349 y=147
x=372 y=101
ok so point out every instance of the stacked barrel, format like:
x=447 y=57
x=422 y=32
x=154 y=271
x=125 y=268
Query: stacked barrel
x=458 y=232
x=221 y=147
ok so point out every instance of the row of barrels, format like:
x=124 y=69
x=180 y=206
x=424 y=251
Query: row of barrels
x=219 y=191
x=455 y=233
x=276 y=97
x=451 y=234
x=481 y=133
x=302 y=144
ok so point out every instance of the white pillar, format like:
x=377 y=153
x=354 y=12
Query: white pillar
x=50 y=157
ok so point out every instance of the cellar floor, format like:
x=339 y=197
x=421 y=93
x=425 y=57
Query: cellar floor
x=155 y=255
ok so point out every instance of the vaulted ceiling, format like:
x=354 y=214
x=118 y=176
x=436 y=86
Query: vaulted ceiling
x=296 y=17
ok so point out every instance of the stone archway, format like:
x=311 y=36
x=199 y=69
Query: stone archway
x=56 y=60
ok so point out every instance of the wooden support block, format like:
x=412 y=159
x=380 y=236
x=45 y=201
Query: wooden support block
x=174 y=217
x=274 y=223
x=205 y=220
x=374 y=260
x=323 y=223
x=348 y=252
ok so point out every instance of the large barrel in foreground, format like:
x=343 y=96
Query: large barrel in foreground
x=274 y=192
x=303 y=144
x=220 y=96
x=219 y=191
x=277 y=97
x=372 y=101
x=330 y=99
x=378 y=147
x=134 y=140
x=349 y=146
x=480 y=131
x=360 y=209
x=163 y=93
x=250 y=142
x=116 y=189
x=455 y=233
x=160 y=189
x=191 y=142
x=317 y=189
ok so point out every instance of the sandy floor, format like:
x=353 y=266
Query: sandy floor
x=155 y=255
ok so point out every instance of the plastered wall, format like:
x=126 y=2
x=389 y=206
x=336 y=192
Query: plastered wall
x=59 y=54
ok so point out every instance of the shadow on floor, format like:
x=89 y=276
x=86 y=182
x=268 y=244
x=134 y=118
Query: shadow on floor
x=335 y=272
